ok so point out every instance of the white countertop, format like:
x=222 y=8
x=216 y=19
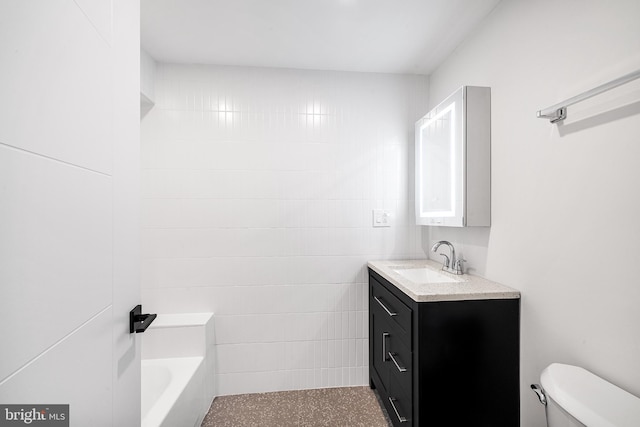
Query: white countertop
x=470 y=288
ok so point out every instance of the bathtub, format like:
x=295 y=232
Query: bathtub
x=177 y=370
x=171 y=388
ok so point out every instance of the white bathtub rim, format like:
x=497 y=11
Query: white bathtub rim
x=184 y=368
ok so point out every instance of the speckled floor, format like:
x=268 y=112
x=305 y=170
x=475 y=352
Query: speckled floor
x=345 y=406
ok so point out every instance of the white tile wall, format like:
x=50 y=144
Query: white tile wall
x=49 y=377
x=56 y=253
x=74 y=92
x=258 y=187
x=69 y=207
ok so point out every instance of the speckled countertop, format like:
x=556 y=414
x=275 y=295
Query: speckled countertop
x=469 y=288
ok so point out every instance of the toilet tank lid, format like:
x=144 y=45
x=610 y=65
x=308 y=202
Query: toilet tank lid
x=589 y=398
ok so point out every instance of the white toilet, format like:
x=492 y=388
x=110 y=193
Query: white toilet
x=575 y=397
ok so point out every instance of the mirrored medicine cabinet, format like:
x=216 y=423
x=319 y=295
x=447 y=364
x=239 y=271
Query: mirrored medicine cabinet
x=453 y=161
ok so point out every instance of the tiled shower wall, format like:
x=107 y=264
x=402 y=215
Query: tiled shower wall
x=258 y=190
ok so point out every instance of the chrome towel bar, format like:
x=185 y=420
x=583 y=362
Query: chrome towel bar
x=558 y=112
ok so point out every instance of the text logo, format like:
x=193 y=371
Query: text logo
x=34 y=415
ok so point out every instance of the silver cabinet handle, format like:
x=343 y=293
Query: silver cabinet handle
x=400 y=368
x=401 y=419
x=384 y=346
x=389 y=312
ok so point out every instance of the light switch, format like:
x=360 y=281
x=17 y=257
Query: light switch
x=381 y=218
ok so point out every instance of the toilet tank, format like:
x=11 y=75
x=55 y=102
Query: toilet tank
x=576 y=397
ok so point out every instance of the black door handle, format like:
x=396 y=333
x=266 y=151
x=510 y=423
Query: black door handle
x=139 y=322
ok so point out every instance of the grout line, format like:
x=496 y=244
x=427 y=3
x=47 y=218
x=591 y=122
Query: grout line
x=93 y=25
x=43 y=156
x=52 y=346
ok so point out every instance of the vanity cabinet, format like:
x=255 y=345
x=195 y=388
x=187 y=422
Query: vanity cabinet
x=444 y=363
x=453 y=161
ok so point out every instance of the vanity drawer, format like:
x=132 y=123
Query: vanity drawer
x=399 y=315
x=399 y=404
x=399 y=363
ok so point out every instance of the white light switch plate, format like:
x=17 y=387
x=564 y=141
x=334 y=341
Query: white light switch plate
x=381 y=218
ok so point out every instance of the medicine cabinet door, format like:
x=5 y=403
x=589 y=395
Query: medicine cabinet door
x=440 y=164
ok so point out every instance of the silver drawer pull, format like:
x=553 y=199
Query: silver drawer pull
x=400 y=368
x=384 y=346
x=385 y=307
x=401 y=419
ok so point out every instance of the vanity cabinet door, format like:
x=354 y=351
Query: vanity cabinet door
x=468 y=358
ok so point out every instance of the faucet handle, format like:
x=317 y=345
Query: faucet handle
x=446 y=262
x=457 y=266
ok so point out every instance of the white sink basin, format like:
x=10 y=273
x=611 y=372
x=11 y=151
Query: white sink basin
x=426 y=275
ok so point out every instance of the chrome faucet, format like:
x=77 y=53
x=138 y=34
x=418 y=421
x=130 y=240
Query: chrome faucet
x=450 y=265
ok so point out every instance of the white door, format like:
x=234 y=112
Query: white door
x=69 y=151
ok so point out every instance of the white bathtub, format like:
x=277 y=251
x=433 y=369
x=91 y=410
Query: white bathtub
x=172 y=392
x=177 y=370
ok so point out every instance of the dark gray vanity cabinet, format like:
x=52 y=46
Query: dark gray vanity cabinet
x=444 y=363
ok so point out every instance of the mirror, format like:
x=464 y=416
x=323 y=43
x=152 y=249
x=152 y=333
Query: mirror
x=453 y=159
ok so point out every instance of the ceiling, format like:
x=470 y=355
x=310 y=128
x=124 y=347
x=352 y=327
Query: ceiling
x=386 y=36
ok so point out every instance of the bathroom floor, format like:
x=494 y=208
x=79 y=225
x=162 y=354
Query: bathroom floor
x=345 y=406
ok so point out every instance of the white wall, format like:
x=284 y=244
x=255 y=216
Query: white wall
x=258 y=190
x=566 y=198
x=147 y=82
x=69 y=204
x=147 y=77
x=126 y=210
